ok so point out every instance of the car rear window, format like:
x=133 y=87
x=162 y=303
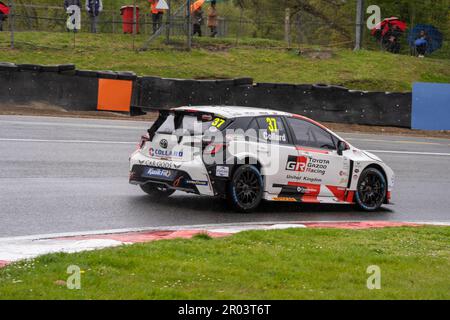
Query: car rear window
x=192 y=124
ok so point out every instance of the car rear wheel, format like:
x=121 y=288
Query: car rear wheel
x=156 y=190
x=245 y=189
x=371 y=191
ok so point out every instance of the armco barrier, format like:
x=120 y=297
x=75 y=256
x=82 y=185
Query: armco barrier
x=431 y=106
x=321 y=102
x=86 y=90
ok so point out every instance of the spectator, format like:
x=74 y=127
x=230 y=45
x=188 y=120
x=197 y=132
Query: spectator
x=93 y=8
x=2 y=18
x=71 y=20
x=197 y=19
x=4 y=10
x=421 y=44
x=157 y=15
x=212 y=18
x=393 y=39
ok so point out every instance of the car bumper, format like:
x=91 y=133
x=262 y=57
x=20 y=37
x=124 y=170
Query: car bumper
x=189 y=176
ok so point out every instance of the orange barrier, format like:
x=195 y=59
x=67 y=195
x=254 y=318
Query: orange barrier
x=114 y=95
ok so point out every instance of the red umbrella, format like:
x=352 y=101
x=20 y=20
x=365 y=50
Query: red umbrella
x=197 y=4
x=4 y=8
x=389 y=23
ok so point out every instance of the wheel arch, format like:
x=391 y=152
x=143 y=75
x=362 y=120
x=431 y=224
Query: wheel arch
x=383 y=172
x=248 y=159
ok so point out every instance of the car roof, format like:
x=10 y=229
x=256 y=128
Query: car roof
x=238 y=111
x=234 y=111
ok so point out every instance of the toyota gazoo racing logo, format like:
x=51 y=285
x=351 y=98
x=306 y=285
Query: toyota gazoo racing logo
x=163 y=143
x=165 y=153
x=297 y=164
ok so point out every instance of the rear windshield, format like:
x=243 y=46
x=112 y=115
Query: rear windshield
x=192 y=124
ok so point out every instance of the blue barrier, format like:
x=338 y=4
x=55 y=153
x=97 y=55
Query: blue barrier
x=431 y=106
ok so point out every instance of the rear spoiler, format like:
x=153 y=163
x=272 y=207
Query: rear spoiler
x=139 y=111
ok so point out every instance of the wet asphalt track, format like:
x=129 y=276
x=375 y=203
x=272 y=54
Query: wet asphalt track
x=69 y=175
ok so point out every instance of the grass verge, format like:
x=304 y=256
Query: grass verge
x=219 y=58
x=281 y=264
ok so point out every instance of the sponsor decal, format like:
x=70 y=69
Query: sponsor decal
x=159 y=164
x=307 y=164
x=197 y=182
x=222 y=171
x=163 y=143
x=297 y=164
x=286 y=199
x=274 y=136
x=303 y=192
x=165 y=153
x=304 y=178
x=157 y=172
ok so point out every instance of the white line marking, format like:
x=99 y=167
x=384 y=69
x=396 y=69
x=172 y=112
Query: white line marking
x=398 y=141
x=411 y=152
x=139 y=125
x=129 y=142
x=68 y=141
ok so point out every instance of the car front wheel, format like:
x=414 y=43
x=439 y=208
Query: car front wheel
x=245 y=189
x=156 y=190
x=371 y=191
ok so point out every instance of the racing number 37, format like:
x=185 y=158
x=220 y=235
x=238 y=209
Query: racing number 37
x=217 y=123
x=272 y=124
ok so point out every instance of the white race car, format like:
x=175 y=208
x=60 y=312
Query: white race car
x=247 y=154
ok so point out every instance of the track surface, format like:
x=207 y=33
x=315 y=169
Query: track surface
x=69 y=175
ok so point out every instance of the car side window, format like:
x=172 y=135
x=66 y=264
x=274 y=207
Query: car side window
x=272 y=130
x=308 y=134
x=252 y=131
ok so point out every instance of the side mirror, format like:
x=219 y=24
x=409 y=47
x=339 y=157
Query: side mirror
x=341 y=147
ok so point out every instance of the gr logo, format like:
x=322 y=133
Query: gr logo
x=297 y=164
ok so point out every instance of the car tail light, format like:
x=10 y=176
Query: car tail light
x=214 y=148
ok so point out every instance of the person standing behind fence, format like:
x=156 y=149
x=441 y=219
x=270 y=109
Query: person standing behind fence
x=2 y=18
x=197 y=21
x=212 y=19
x=4 y=10
x=71 y=20
x=94 y=7
x=157 y=15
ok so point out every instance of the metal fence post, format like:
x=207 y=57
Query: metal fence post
x=359 y=24
x=11 y=22
x=189 y=25
x=241 y=12
x=287 y=27
x=169 y=22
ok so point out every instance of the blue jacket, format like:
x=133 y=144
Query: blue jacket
x=94 y=7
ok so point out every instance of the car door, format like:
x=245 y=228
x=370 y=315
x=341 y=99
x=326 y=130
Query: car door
x=275 y=147
x=319 y=166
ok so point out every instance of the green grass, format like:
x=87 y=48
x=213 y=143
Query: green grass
x=281 y=264
x=219 y=58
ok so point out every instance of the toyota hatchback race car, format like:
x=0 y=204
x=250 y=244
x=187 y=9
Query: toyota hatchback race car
x=247 y=155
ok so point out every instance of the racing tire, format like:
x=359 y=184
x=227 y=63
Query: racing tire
x=156 y=190
x=246 y=188
x=371 y=190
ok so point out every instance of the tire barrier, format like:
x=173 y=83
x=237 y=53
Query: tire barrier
x=88 y=90
x=63 y=86
x=320 y=102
